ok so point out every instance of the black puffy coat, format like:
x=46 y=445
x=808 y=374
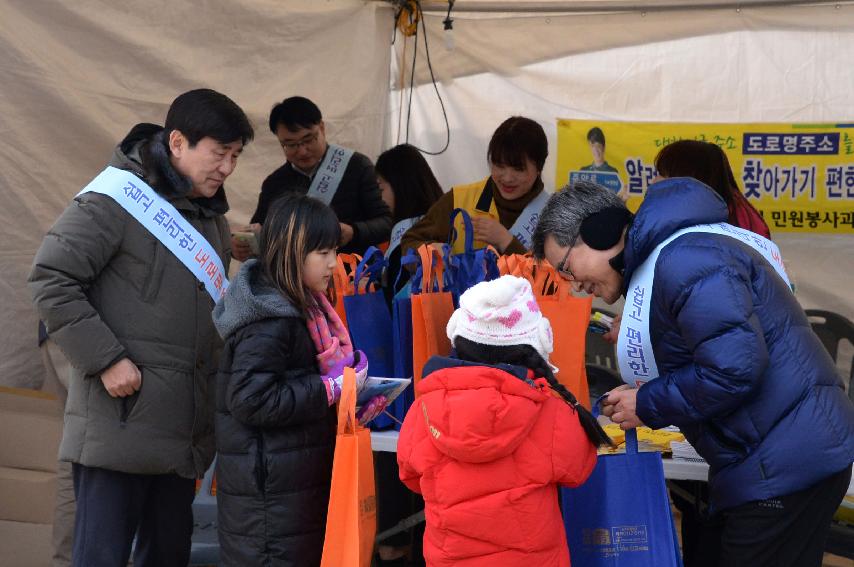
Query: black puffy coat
x=275 y=432
x=358 y=201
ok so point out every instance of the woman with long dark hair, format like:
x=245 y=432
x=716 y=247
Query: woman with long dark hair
x=409 y=188
x=708 y=163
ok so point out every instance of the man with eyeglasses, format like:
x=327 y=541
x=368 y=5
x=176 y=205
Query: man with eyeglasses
x=342 y=178
x=713 y=341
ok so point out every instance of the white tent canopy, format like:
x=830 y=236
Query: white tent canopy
x=782 y=63
x=78 y=75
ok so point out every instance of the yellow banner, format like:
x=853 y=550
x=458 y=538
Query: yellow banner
x=799 y=176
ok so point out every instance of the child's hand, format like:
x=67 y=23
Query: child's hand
x=372 y=409
x=333 y=386
x=333 y=361
x=360 y=365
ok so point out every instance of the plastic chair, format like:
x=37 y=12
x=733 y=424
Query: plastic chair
x=833 y=328
x=599 y=352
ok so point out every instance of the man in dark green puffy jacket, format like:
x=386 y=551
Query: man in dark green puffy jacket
x=136 y=325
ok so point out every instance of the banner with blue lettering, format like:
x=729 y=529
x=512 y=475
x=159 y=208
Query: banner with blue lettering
x=800 y=177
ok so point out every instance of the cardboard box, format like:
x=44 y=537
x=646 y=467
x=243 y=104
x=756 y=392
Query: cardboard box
x=27 y=496
x=25 y=545
x=30 y=429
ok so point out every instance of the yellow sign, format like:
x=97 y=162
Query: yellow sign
x=799 y=176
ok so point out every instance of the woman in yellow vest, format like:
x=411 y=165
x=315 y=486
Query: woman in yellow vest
x=505 y=206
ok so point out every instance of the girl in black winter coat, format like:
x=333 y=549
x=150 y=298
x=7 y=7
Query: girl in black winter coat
x=280 y=374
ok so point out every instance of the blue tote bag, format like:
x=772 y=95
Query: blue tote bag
x=389 y=337
x=368 y=317
x=621 y=516
x=471 y=266
x=401 y=326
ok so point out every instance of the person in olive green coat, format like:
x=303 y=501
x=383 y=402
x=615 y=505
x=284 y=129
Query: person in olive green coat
x=136 y=326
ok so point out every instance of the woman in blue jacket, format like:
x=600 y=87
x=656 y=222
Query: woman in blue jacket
x=739 y=369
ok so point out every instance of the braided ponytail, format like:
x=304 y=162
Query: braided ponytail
x=525 y=355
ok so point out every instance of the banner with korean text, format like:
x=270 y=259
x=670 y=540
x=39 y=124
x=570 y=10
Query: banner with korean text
x=799 y=176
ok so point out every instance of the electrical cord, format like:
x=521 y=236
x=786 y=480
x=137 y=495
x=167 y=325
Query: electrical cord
x=412 y=82
x=420 y=15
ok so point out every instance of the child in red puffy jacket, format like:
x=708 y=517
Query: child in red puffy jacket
x=487 y=441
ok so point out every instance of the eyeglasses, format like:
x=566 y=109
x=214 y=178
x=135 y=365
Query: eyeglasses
x=562 y=269
x=307 y=141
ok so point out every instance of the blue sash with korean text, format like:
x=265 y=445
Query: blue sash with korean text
x=523 y=228
x=330 y=173
x=397 y=232
x=165 y=223
x=634 y=346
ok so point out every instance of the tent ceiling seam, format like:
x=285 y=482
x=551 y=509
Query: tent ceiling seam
x=607 y=7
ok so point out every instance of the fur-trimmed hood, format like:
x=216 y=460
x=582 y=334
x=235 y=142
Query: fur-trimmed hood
x=250 y=298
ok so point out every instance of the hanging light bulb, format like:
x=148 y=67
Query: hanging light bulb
x=448 y=23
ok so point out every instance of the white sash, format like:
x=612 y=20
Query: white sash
x=523 y=228
x=634 y=346
x=330 y=173
x=167 y=225
x=397 y=232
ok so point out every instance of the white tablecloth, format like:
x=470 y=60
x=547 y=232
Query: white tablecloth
x=674 y=469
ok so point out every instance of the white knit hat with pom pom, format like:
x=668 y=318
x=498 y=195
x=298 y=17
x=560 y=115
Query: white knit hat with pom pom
x=502 y=312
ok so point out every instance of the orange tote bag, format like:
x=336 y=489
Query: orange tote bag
x=569 y=316
x=342 y=280
x=351 y=520
x=431 y=310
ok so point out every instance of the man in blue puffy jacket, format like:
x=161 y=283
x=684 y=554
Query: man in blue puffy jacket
x=739 y=369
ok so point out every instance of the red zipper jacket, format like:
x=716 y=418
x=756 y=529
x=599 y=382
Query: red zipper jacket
x=487 y=447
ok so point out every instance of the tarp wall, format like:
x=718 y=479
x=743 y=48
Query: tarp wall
x=76 y=75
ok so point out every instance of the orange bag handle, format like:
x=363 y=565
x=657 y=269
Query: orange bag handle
x=427 y=254
x=520 y=265
x=503 y=267
x=347 y=403
x=342 y=278
x=525 y=265
x=550 y=283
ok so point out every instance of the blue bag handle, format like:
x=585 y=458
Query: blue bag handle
x=469 y=229
x=410 y=257
x=487 y=261
x=492 y=271
x=631 y=442
x=374 y=270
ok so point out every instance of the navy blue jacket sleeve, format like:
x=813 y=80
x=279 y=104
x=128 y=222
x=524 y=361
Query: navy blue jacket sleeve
x=707 y=297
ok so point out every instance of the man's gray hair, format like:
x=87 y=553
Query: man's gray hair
x=566 y=210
